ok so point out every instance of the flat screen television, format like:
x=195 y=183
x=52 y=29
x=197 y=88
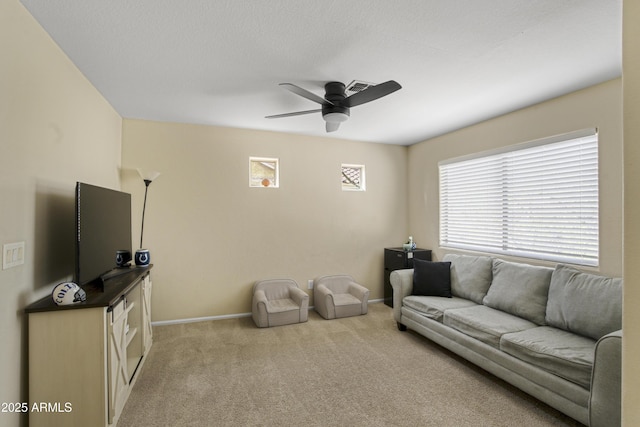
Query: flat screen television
x=103 y=223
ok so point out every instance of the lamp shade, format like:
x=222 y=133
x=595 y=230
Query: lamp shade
x=147 y=175
x=335 y=117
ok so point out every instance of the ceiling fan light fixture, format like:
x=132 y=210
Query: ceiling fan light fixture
x=335 y=117
x=336 y=103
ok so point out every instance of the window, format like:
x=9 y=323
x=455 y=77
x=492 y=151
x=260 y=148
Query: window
x=537 y=200
x=353 y=178
x=263 y=172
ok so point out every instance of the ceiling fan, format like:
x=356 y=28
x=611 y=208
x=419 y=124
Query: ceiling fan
x=336 y=104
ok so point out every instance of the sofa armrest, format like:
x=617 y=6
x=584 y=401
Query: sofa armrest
x=606 y=386
x=402 y=283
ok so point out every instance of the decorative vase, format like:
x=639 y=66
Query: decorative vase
x=123 y=257
x=143 y=258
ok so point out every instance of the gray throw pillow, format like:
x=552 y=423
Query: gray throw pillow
x=470 y=276
x=520 y=289
x=583 y=303
x=560 y=277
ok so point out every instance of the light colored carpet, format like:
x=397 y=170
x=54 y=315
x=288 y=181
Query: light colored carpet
x=357 y=371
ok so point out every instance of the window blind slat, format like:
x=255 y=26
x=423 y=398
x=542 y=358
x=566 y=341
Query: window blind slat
x=539 y=202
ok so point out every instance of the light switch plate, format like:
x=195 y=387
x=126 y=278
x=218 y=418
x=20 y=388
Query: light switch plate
x=12 y=255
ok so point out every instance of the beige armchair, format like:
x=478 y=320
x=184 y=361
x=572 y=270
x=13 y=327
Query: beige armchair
x=339 y=296
x=278 y=302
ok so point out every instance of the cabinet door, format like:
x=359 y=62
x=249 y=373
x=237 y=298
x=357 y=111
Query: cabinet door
x=117 y=360
x=68 y=364
x=394 y=259
x=147 y=331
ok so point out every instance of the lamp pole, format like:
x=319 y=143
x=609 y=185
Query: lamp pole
x=144 y=208
x=147 y=177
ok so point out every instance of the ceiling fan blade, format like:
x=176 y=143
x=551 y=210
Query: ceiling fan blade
x=297 y=113
x=305 y=93
x=332 y=126
x=371 y=94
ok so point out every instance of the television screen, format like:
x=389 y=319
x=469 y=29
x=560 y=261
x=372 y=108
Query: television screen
x=103 y=221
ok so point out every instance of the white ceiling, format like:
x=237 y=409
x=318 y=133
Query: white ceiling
x=219 y=62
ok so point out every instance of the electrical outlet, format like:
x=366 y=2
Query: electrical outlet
x=12 y=255
x=310 y=284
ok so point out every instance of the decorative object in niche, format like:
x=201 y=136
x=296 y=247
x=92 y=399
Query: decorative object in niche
x=353 y=177
x=264 y=172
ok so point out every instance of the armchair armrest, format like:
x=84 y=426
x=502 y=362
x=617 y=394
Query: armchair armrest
x=259 y=309
x=323 y=300
x=359 y=291
x=259 y=297
x=362 y=293
x=606 y=383
x=402 y=284
x=322 y=291
x=300 y=297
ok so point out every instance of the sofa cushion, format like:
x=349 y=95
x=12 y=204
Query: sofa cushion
x=562 y=353
x=520 y=289
x=470 y=276
x=431 y=278
x=484 y=323
x=584 y=303
x=434 y=307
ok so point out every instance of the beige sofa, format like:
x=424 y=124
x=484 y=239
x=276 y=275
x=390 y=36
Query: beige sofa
x=553 y=333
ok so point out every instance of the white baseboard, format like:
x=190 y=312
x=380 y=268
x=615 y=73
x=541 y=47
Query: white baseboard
x=199 y=319
x=225 y=316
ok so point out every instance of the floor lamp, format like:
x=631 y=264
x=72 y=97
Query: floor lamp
x=142 y=255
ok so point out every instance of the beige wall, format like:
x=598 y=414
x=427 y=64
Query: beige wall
x=55 y=128
x=631 y=319
x=211 y=236
x=599 y=106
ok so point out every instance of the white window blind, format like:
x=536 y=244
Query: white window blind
x=539 y=200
